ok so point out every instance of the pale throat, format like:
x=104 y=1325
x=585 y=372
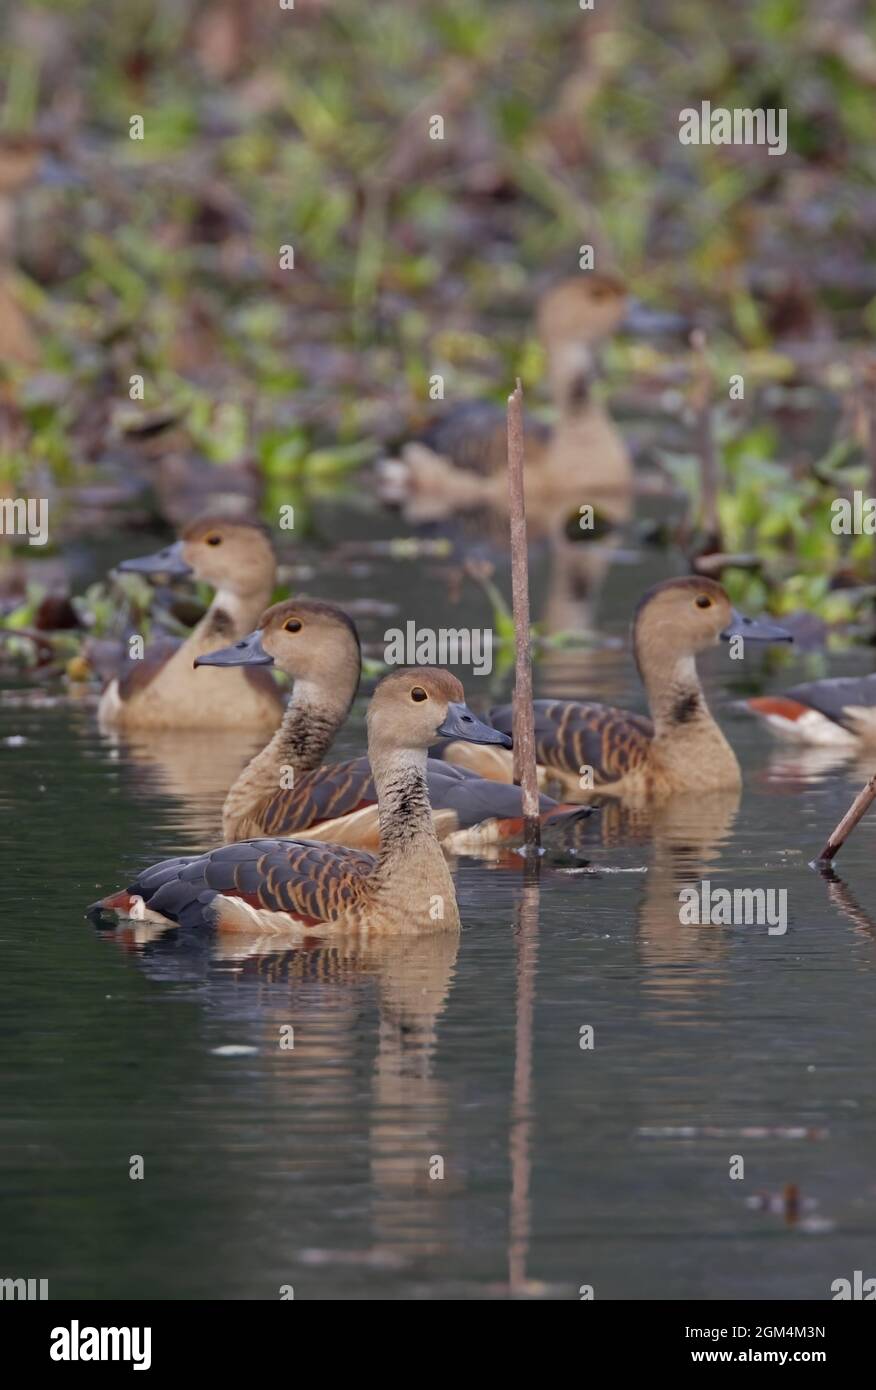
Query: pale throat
x=571 y=370
x=231 y=615
x=675 y=694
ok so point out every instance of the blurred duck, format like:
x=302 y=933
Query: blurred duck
x=459 y=462
x=592 y=748
x=162 y=690
x=302 y=887
x=838 y=713
x=284 y=790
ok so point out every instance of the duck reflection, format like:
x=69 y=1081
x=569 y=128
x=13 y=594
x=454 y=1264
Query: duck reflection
x=320 y=988
x=193 y=766
x=688 y=837
x=797 y=765
x=682 y=839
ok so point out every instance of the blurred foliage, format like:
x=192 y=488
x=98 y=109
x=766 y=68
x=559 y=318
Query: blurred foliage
x=309 y=128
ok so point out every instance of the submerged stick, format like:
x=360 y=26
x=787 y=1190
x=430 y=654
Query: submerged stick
x=858 y=809
x=523 y=717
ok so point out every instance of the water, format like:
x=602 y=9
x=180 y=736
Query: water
x=310 y=1166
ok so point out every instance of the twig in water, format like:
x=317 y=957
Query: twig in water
x=858 y=809
x=525 y=773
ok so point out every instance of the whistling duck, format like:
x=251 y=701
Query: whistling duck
x=285 y=791
x=269 y=885
x=459 y=463
x=162 y=690
x=838 y=713
x=593 y=748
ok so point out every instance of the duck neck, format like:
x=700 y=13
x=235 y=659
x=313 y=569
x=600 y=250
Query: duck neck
x=411 y=874
x=675 y=697
x=312 y=718
x=571 y=372
x=403 y=804
x=231 y=615
x=688 y=744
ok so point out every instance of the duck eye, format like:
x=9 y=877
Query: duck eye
x=419 y=694
x=293 y=625
x=703 y=602
x=213 y=540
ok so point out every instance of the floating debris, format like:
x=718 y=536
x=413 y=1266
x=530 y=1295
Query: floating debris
x=718 y=1132
x=605 y=869
x=815 y=1226
x=369 y=1259
x=787 y=1203
x=793 y=1208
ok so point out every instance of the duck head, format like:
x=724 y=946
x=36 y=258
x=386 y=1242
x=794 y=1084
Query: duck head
x=681 y=617
x=235 y=556
x=578 y=314
x=314 y=643
x=413 y=707
x=574 y=317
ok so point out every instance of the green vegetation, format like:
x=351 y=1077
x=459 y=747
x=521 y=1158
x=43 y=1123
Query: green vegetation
x=162 y=258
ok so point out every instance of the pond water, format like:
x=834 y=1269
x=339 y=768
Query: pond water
x=312 y=1166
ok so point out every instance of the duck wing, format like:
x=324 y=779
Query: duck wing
x=337 y=789
x=570 y=735
x=475 y=799
x=312 y=883
x=134 y=676
x=345 y=789
x=837 y=699
x=474 y=436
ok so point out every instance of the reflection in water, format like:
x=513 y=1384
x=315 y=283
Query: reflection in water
x=311 y=1165
x=795 y=765
x=685 y=840
x=520 y=1135
x=318 y=990
x=410 y=1130
x=689 y=837
x=197 y=768
x=842 y=897
x=578 y=572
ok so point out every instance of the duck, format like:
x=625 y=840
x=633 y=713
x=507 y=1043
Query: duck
x=595 y=749
x=303 y=887
x=838 y=713
x=287 y=789
x=162 y=690
x=459 y=462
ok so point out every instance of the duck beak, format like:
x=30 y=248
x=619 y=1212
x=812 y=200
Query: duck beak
x=168 y=561
x=461 y=723
x=642 y=322
x=758 y=629
x=247 y=652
